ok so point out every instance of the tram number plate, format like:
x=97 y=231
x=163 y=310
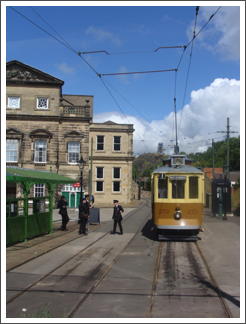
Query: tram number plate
x=192 y=211
x=177 y=178
x=163 y=211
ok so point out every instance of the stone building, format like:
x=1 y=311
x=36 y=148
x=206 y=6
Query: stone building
x=112 y=148
x=47 y=130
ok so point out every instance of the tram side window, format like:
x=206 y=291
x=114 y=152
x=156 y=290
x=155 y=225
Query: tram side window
x=178 y=187
x=193 y=187
x=162 y=188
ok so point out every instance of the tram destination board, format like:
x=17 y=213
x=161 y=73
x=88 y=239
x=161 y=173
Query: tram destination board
x=177 y=178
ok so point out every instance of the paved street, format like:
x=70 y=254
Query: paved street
x=76 y=264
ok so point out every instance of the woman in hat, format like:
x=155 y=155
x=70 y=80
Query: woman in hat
x=117 y=217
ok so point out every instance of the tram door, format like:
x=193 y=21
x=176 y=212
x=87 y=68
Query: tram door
x=72 y=199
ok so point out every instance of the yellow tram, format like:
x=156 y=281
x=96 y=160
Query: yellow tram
x=177 y=198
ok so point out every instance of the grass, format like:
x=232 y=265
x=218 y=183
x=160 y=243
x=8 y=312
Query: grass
x=40 y=314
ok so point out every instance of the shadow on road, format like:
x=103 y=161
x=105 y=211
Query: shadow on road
x=146 y=231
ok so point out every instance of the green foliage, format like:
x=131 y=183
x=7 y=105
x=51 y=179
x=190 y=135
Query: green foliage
x=205 y=159
x=237 y=184
x=235 y=202
x=40 y=314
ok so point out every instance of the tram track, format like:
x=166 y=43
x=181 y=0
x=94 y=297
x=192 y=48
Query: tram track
x=154 y=293
x=223 y=302
x=182 y=286
x=69 y=240
x=46 y=275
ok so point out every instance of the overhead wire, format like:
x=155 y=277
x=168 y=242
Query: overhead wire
x=53 y=29
x=132 y=52
x=135 y=108
x=194 y=35
x=100 y=75
x=192 y=42
x=79 y=53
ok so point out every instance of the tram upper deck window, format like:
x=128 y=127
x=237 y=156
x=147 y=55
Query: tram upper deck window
x=162 y=188
x=193 y=187
x=178 y=187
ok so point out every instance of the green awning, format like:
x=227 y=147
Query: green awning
x=14 y=174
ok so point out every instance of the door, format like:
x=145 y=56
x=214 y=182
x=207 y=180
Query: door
x=72 y=200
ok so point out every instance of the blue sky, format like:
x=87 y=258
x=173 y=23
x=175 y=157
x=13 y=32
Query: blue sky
x=133 y=33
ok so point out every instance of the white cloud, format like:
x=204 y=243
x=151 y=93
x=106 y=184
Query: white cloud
x=102 y=35
x=206 y=113
x=222 y=33
x=64 y=68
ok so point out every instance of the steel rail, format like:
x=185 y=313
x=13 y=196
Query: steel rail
x=69 y=259
x=223 y=302
x=154 y=281
x=89 y=292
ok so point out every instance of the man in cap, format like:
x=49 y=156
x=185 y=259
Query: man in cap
x=117 y=217
x=83 y=211
x=87 y=197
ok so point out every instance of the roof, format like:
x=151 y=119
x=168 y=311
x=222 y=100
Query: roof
x=14 y=174
x=181 y=169
x=17 y=71
x=76 y=100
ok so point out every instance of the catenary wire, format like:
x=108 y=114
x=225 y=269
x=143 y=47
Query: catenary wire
x=54 y=30
x=79 y=53
x=194 y=35
x=135 y=108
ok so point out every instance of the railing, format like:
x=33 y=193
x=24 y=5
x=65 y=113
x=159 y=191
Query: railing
x=77 y=110
x=21 y=225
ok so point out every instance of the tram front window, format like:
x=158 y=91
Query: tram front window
x=178 y=189
x=193 y=187
x=162 y=188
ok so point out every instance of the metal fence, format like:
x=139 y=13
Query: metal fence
x=22 y=224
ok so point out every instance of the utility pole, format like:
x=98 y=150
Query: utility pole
x=228 y=135
x=213 y=157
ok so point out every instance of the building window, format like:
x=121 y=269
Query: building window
x=40 y=151
x=42 y=103
x=13 y=102
x=73 y=152
x=99 y=172
x=116 y=186
x=11 y=150
x=39 y=190
x=99 y=186
x=116 y=173
x=100 y=143
x=117 y=143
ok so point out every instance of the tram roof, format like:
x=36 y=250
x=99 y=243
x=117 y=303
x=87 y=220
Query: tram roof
x=181 y=169
x=15 y=174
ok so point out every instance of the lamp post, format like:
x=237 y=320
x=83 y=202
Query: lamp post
x=225 y=169
x=81 y=163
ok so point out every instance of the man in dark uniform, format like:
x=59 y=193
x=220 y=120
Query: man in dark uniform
x=117 y=217
x=87 y=197
x=62 y=204
x=83 y=211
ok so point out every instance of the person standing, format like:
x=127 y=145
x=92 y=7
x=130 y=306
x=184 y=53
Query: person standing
x=83 y=216
x=62 y=204
x=92 y=199
x=87 y=197
x=117 y=217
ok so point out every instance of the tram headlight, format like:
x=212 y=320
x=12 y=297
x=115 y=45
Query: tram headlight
x=178 y=215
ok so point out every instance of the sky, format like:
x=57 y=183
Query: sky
x=202 y=75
